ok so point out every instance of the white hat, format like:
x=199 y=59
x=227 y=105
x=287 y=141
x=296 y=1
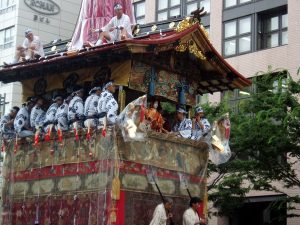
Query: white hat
x=95 y=89
x=181 y=110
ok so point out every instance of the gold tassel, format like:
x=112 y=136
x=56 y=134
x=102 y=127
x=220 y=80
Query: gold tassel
x=121 y=98
x=113 y=216
x=116 y=184
x=116 y=188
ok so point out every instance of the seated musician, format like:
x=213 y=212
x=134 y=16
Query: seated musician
x=183 y=127
x=200 y=125
x=154 y=116
x=118 y=28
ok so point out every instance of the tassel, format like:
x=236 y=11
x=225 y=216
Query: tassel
x=76 y=134
x=36 y=138
x=48 y=135
x=103 y=132
x=116 y=188
x=113 y=217
x=104 y=128
x=59 y=133
x=16 y=145
x=3 y=147
x=88 y=134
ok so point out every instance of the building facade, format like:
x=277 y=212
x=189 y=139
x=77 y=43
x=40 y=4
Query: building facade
x=50 y=20
x=251 y=35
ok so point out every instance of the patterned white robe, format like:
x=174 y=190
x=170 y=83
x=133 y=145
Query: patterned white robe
x=109 y=105
x=22 y=120
x=61 y=117
x=90 y=110
x=7 y=131
x=50 y=116
x=75 y=111
x=184 y=128
x=159 y=215
x=37 y=116
x=198 y=132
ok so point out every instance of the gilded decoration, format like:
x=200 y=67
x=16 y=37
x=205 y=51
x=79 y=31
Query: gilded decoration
x=192 y=48
x=185 y=24
x=165 y=82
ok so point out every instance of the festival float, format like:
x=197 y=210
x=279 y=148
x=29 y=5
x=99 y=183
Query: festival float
x=87 y=177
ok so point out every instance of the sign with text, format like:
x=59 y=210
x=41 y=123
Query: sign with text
x=45 y=7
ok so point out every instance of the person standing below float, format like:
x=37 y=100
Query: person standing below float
x=37 y=115
x=161 y=213
x=7 y=124
x=75 y=111
x=183 y=128
x=22 y=121
x=33 y=45
x=61 y=115
x=90 y=108
x=117 y=29
x=107 y=106
x=200 y=125
x=191 y=216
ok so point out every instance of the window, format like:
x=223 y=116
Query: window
x=166 y=9
x=6 y=3
x=237 y=36
x=231 y=3
x=7 y=37
x=139 y=11
x=273 y=29
x=192 y=5
x=7 y=6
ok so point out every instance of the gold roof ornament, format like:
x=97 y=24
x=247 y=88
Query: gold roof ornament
x=184 y=24
x=153 y=28
x=190 y=21
x=192 y=48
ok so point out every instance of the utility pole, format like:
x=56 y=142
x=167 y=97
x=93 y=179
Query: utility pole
x=2 y=103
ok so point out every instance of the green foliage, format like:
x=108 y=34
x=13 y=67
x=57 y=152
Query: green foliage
x=265 y=144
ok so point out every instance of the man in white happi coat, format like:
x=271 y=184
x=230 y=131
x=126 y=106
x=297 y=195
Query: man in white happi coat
x=90 y=108
x=191 y=216
x=76 y=108
x=162 y=213
x=22 y=121
x=32 y=45
x=61 y=115
x=183 y=128
x=117 y=29
x=107 y=106
x=50 y=114
x=200 y=125
x=7 y=123
x=37 y=114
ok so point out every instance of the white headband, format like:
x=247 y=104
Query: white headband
x=118 y=6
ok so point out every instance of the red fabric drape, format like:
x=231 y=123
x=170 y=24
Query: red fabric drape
x=95 y=14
